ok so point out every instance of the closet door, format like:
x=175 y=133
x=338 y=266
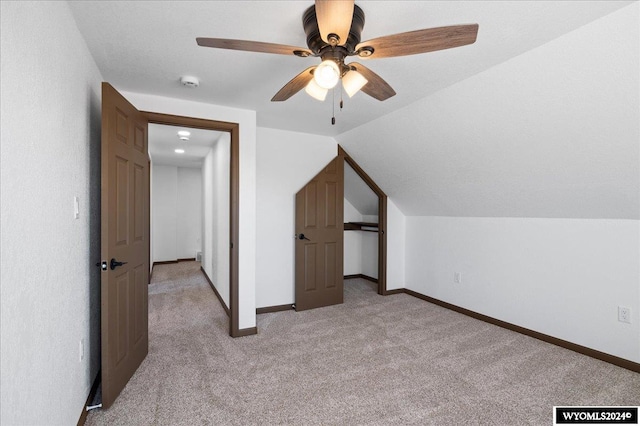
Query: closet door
x=319 y=239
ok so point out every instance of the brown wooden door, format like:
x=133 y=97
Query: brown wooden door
x=319 y=239
x=125 y=238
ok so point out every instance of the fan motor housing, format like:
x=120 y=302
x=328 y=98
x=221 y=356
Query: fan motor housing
x=314 y=40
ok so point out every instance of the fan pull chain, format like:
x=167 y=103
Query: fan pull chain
x=333 y=106
x=341 y=103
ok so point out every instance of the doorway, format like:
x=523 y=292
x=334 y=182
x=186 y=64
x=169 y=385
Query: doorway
x=360 y=228
x=320 y=235
x=190 y=201
x=372 y=226
x=232 y=129
x=125 y=234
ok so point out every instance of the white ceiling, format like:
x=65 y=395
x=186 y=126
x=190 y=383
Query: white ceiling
x=145 y=46
x=538 y=118
x=163 y=140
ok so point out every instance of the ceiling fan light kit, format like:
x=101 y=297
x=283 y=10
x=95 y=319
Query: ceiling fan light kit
x=315 y=91
x=327 y=74
x=352 y=82
x=333 y=29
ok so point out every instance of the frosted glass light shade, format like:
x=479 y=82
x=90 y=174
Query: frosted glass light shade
x=315 y=91
x=327 y=74
x=352 y=82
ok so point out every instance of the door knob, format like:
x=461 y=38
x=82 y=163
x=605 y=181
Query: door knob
x=302 y=237
x=114 y=264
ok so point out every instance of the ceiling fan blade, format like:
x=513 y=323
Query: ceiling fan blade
x=296 y=84
x=422 y=41
x=334 y=17
x=376 y=87
x=252 y=46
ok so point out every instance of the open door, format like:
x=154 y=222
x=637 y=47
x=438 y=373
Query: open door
x=125 y=242
x=319 y=239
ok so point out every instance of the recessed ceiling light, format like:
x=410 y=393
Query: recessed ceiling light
x=184 y=133
x=179 y=151
x=184 y=138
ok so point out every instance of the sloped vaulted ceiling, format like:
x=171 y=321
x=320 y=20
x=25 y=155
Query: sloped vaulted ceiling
x=552 y=133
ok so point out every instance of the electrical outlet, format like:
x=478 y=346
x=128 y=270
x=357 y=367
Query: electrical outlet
x=624 y=314
x=457 y=277
x=81 y=350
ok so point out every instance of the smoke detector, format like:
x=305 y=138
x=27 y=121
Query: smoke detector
x=189 y=81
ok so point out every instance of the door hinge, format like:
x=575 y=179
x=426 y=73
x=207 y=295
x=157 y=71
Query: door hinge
x=230 y=245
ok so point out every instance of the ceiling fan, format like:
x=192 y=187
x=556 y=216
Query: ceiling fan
x=333 y=29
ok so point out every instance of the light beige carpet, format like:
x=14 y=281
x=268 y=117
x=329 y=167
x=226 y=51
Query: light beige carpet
x=373 y=360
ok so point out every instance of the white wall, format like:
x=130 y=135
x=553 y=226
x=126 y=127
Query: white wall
x=176 y=200
x=151 y=224
x=163 y=200
x=286 y=162
x=351 y=214
x=189 y=212
x=396 y=246
x=561 y=277
x=369 y=255
x=215 y=216
x=550 y=133
x=247 y=226
x=352 y=242
x=360 y=247
x=50 y=152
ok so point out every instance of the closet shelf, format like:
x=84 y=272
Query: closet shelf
x=358 y=226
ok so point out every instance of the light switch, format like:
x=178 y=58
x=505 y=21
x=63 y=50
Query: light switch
x=76 y=208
